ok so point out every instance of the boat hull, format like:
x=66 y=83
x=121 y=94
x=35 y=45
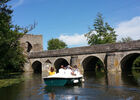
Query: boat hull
x=62 y=81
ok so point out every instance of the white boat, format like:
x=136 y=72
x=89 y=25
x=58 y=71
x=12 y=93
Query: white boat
x=62 y=80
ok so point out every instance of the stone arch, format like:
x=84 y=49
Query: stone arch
x=28 y=46
x=48 y=61
x=47 y=65
x=127 y=61
x=59 y=62
x=97 y=56
x=37 y=67
x=89 y=63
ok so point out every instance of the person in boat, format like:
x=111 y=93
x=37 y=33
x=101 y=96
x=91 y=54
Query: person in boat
x=68 y=70
x=76 y=70
x=52 y=72
x=62 y=69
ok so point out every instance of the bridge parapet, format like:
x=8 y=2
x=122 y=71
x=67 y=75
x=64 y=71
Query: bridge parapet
x=102 y=48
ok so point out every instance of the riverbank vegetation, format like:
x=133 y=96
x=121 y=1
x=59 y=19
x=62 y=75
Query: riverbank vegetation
x=8 y=79
x=9 y=82
x=11 y=56
x=11 y=53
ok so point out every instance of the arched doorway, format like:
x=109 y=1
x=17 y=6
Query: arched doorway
x=59 y=62
x=37 y=67
x=92 y=64
x=129 y=62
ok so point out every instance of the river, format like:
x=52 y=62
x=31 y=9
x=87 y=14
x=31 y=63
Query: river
x=97 y=86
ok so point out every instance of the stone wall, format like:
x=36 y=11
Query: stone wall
x=103 y=48
x=32 y=43
x=111 y=61
x=111 y=55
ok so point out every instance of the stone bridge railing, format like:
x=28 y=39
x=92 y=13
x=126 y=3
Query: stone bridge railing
x=102 y=48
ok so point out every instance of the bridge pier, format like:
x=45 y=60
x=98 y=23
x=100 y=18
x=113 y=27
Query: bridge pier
x=73 y=60
x=112 y=63
x=114 y=79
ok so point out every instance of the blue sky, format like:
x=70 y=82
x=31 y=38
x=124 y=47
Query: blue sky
x=69 y=20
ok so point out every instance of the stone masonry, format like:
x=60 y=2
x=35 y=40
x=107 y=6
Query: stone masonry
x=113 y=56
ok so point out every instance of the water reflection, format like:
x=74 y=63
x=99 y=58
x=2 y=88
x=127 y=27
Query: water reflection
x=62 y=93
x=114 y=79
x=97 y=86
x=129 y=78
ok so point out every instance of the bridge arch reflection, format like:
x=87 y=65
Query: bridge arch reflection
x=59 y=62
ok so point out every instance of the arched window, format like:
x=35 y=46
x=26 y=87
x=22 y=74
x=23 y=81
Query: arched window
x=29 y=46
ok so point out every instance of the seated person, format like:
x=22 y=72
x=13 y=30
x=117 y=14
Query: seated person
x=68 y=71
x=65 y=70
x=51 y=72
x=62 y=69
x=76 y=70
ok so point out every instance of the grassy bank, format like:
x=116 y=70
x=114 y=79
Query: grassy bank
x=9 y=82
x=8 y=79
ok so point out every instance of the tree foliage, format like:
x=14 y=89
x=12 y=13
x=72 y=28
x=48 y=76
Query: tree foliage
x=11 y=56
x=101 y=32
x=127 y=39
x=55 y=44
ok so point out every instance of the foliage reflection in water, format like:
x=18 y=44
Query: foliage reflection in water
x=97 y=86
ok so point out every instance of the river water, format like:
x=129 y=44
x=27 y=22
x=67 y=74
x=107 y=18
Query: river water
x=97 y=86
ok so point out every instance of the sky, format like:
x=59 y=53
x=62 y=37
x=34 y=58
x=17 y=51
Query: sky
x=68 y=20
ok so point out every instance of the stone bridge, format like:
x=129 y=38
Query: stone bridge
x=114 y=57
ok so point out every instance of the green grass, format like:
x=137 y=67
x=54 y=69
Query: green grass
x=8 y=79
x=9 y=82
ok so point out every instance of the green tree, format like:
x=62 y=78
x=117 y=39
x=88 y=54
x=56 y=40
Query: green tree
x=11 y=54
x=55 y=44
x=101 y=32
x=127 y=39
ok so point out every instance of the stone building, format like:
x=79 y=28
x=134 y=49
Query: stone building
x=31 y=43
